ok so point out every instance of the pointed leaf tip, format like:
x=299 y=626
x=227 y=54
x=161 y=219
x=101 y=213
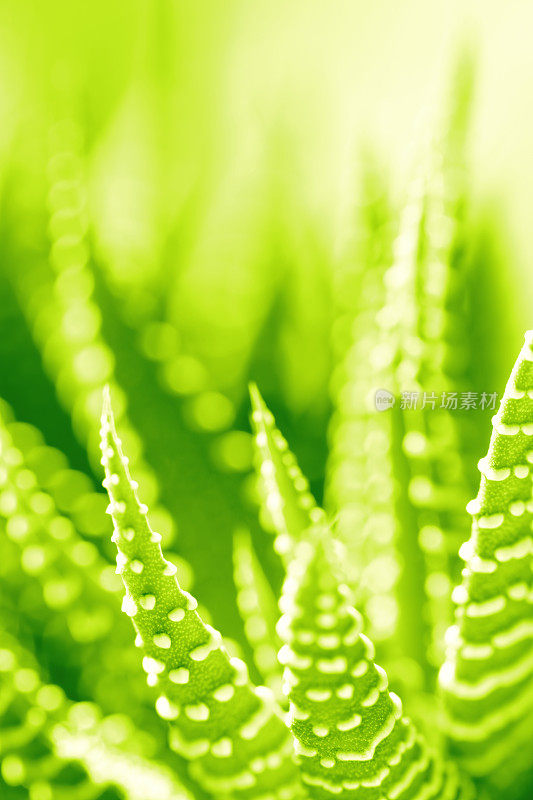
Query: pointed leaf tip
x=258 y=403
x=107 y=409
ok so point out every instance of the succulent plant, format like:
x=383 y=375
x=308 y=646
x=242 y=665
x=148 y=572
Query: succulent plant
x=486 y=679
x=351 y=735
x=230 y=729
x=178 y=650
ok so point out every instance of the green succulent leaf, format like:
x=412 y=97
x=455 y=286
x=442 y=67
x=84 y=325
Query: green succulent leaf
x=287 y=499
x=258 y=609
x=487 y=679
x=41 y=547
x=231 y=731
x=353 y=739
x=360 y=482
x=68 y=332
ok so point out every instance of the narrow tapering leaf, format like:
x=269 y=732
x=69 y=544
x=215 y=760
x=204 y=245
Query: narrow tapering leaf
x=287 y=498
x=487 y=679
x=66 y=323
x=430 y=437
x=423 y=438
x=69 y=581
x=353 y=740
x=231 y=730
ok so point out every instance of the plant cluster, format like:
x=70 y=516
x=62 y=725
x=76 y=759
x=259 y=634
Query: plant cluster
x=371 y=648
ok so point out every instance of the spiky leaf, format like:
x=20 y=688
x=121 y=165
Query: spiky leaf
x=353 y=740
x=487 y=679
x=230 y=729
x=287 y=498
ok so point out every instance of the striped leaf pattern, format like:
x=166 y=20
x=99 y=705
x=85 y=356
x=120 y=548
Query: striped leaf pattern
x=487 y=679
x=353 y=740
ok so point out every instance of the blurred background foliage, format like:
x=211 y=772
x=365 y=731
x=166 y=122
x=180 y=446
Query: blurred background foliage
x=191 y=193
x=222 y=152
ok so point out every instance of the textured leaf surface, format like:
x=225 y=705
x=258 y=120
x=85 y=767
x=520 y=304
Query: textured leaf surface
x=487 y=679
x=353 y=740
x=232 y=730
